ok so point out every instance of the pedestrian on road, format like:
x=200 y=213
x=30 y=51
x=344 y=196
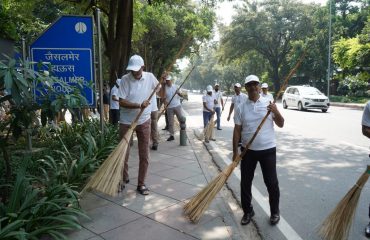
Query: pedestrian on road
x=219 y=104
x=174 y=106
x=209 y=102
x=134 y=91
x=114 y=104
x=265 y=93
x=106 y=103
x=366 y=132
x=162 y=98
x=263 y=149
x=237 y=99
x=154 y=136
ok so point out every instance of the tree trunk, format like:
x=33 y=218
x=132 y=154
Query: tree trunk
x=275 y=76
x=119 y=37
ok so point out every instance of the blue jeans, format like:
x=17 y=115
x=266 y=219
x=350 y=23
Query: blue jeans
x=218 y=112
x=206 y=117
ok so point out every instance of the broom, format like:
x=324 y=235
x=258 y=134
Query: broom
x=195 y=208
x=208 y=130
x=336 y=226
x=107 y=178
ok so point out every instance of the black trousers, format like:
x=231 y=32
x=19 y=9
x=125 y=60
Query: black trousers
x=114 y=116
x=267 y=160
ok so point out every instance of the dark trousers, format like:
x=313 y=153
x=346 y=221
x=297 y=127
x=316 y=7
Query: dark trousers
x=114 y=116
x=218 y=114
x=267 y=160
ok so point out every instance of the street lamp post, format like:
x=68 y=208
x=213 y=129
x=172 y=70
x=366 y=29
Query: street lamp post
x=329 y=51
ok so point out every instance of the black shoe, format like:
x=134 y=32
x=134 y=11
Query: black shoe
x=219 y=128
x=274 y=219
x=166 y=128
x=155 y=147
x=170 y=138
x=247 y=218
x=367 y=231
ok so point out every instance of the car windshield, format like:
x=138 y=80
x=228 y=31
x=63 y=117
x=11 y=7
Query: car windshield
x=310 y=91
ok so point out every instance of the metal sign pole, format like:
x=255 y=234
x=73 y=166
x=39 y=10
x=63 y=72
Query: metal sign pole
x=100 y=74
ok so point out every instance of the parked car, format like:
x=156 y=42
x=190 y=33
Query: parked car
x=305 y=97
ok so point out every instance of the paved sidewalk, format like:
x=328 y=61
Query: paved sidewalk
x=175 y=174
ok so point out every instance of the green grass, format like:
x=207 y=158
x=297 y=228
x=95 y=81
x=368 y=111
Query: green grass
x=347 y=99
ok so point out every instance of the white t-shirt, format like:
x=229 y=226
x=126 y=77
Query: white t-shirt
x=210 y=102
x=268 y=96
x=170 y=91
x=136 y=91
x=249 y=115
x=218 y=96
x=238 y=99
x=366 y=115
x=114 y=92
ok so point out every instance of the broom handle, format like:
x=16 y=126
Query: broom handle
x=134 y=123
x=283 y=86
x=186 y=78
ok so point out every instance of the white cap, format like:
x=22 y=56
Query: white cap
x=237 y=85
x=168 y=77
x=209 y=88
x=264 y=85
x=135 y=63
x=251 y=78
x=216 y=84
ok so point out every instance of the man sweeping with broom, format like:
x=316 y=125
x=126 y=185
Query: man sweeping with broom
x=247 y=118
x=134 y=90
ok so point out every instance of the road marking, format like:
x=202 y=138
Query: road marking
x=283 y=225
x=356 y=146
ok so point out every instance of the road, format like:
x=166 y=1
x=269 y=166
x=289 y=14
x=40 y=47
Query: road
x=320 y=157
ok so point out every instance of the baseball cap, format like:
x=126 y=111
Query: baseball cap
x=237 y=85
x=209 y=88
x=135 y=63
x=251 y=78
x=264 y=85
x=216 y=84
x=168 y=77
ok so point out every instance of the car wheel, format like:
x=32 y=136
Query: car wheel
x=285 y=105
x=300 y=106
x=324 y=110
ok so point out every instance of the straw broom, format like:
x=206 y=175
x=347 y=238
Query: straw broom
x=107 y=178
x=336 y=226
x=195 y=208
x=208 y=130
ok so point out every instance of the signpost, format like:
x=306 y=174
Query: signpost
x=68 y=46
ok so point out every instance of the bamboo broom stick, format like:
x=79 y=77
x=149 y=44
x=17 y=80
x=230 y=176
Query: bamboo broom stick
x=195 y=208
x=337 y=224
x=107 y=178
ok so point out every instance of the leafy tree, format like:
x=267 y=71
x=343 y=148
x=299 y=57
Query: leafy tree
x=269 y=28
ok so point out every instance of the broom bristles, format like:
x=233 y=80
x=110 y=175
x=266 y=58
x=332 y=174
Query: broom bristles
x=195 y=208
x=337 y=225
x=106 y=179
x=209 y=128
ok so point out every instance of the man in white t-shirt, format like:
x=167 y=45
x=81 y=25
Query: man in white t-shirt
x=366 y=132
x=114 y=104
x=134 y=90
x=209 y=102
x=173 y=106
x=237 y=99
x=219 y=104
x=247 y=118
x=265 y=93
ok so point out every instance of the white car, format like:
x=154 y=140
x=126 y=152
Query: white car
x=305 y=97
